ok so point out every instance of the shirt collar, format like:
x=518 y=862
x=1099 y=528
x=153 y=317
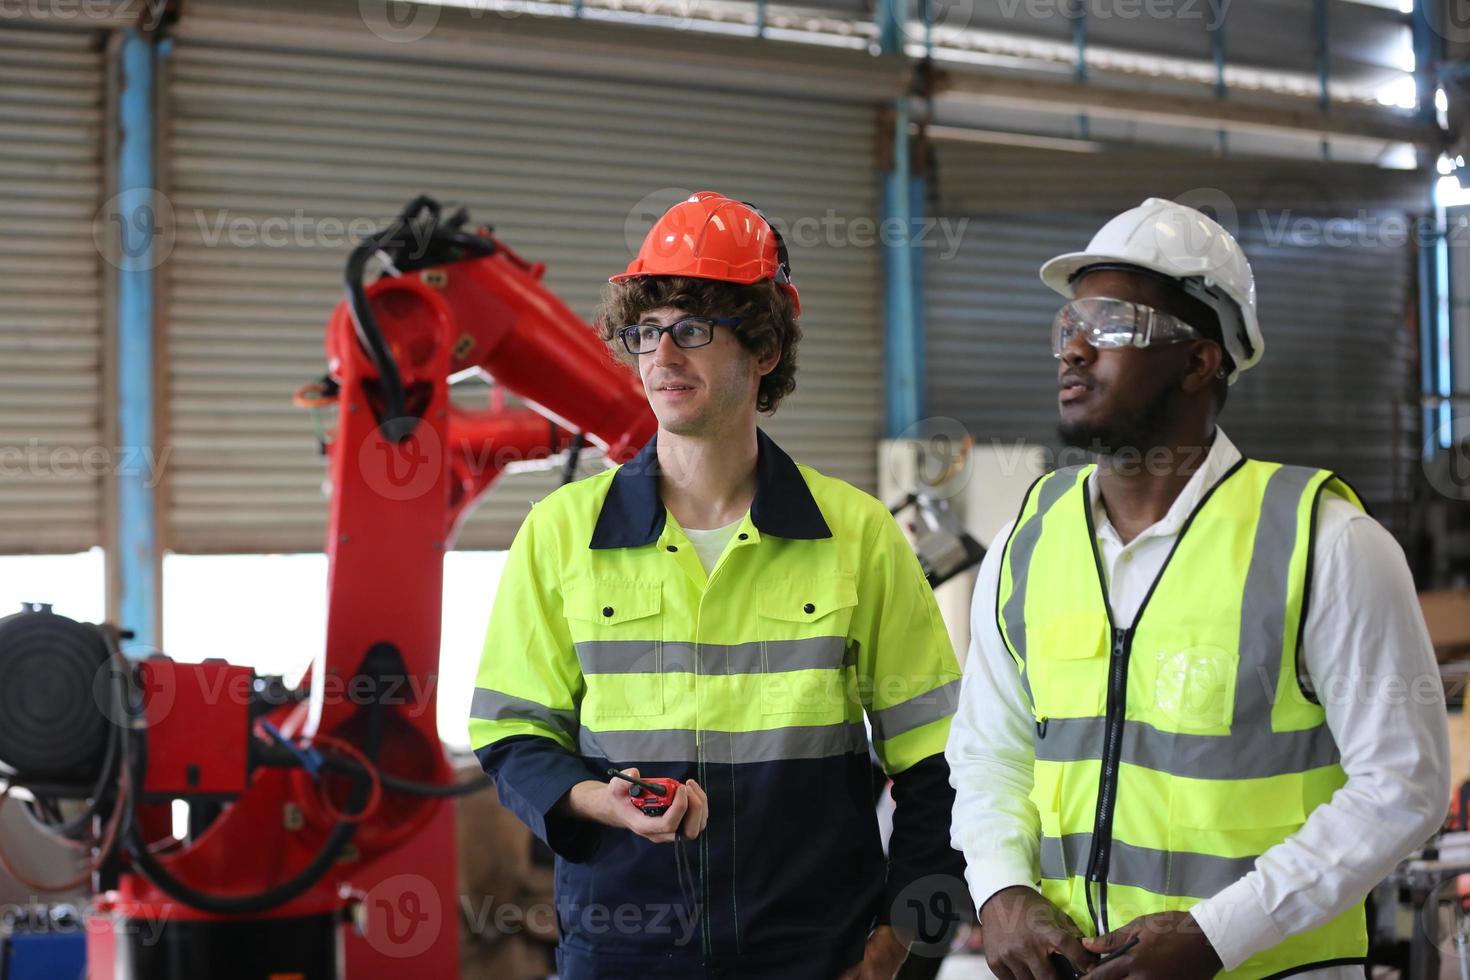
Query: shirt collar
x=633 y=512
x=1223 y=455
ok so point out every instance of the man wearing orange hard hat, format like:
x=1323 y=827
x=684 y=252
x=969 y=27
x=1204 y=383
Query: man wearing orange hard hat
x=716 y=621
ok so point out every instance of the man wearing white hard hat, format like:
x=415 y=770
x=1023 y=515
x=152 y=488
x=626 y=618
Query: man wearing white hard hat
x=1200 y=718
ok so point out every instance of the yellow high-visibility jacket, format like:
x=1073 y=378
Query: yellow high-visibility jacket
x=609 y=646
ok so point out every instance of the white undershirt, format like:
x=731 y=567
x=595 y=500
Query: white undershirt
x=710 y=545
x=1364 y=648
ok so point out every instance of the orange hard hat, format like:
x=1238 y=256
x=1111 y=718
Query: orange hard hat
x=711 y=236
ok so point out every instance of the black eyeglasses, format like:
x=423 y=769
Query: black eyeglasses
x=688 y=333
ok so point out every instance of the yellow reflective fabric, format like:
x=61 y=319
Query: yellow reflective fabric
x=634 y=654
x=1171 y=754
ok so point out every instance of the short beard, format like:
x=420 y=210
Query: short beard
x=1133 y=432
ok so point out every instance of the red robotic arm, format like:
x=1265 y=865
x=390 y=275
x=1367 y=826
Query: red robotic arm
x=283 y=855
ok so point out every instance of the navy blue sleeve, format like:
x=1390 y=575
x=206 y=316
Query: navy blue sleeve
x=531 y=775
x=923 y=803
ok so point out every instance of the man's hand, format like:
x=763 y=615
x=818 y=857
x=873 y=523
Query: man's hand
x=882 y=957
x=607 y=803
x=1021 y=929
x=1171 y=946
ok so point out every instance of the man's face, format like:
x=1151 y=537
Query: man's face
x=1113 y=400
x=699 y=391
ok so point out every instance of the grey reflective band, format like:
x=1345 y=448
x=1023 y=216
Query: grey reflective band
x=489 y=705
x=686 y=745
x=1245 y=753
x=916 y=712
x=1019 y=551
x=1180 y=874
x=1263 y=604
x=758 y=657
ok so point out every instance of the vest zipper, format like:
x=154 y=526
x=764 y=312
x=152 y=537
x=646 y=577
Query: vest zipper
x=1107 y=791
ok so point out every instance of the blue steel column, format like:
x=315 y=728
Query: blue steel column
x=137 y=564
x=1434 y=334
x=902 y=197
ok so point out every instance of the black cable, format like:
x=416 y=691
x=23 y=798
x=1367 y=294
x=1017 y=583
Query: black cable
x=574 y=453
x=417 y=224
x=396 y=783
x=277 y=895
x=368 y=332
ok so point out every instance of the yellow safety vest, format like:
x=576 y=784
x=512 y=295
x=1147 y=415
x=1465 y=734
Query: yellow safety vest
x=1171 y=754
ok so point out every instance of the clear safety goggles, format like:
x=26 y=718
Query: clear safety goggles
x=1110 y=323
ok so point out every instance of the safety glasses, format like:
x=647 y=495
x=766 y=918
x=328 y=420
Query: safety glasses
x=688 y=333
x=1111 y=323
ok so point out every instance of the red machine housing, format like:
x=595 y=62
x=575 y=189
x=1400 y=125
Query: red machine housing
x=395 y=506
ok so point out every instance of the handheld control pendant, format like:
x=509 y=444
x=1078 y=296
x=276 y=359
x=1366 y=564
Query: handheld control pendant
x=652 y=796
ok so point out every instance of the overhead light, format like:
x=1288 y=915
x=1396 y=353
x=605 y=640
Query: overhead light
x=1402 y=92
x=1445 y=165
x=1441 y=100
x=1449 y=194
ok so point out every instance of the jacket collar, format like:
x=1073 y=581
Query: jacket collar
x=633 y=512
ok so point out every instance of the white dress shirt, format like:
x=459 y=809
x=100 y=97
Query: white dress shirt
x=1366 y=653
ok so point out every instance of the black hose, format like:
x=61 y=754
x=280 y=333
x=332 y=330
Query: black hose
x=418 y=224
x=277 y=895
x=273 y=757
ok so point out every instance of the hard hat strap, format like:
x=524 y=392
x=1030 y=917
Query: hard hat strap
x=783 y=258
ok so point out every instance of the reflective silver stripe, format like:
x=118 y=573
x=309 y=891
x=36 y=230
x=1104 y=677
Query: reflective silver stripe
x=771 y=745
x=916 y=711
x=1263 y=604
x=1022 y=546
x=1244 y=754
x=488 y=705
x=758 y=657
x=1182 y=874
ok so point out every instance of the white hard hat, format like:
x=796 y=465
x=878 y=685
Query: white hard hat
x=1185 y=245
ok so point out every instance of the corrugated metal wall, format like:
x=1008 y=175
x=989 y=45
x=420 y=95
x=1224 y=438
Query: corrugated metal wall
x=568 y=172
x=1337 y=386
x=53 y=455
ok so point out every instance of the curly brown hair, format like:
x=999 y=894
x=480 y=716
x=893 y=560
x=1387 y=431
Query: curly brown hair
x=767 y=320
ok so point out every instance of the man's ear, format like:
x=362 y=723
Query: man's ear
x=766 y=363
x=1205 y=359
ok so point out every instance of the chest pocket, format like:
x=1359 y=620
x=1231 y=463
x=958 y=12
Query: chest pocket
x=804 y=626
x=618 y=634
x=1067 y=663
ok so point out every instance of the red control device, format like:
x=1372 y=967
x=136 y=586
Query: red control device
x=652 y=796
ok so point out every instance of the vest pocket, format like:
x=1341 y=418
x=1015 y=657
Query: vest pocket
x=804 y=644
x=1217 y=827
x=1194 y=689
x=1066 y=666
x=618 y=633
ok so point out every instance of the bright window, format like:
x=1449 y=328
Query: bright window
x=269 y=612
x=74 y=585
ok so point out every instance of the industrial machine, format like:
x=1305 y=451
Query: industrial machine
x=321 y=835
